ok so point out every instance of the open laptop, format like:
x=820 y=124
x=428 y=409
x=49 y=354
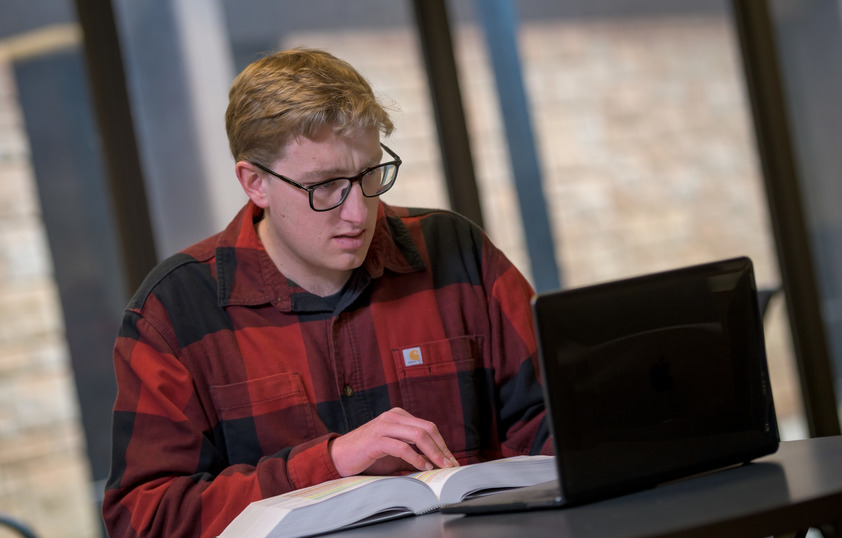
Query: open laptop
x=648 y=380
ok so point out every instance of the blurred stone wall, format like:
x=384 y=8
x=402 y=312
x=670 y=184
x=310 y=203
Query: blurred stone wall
x=44 y=476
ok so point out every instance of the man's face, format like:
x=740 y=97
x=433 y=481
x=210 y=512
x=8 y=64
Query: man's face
x=318 y=250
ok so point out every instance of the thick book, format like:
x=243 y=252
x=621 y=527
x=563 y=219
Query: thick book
x=362 y=500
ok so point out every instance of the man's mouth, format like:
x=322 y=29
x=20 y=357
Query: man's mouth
x=352 y=235
x=351 y=240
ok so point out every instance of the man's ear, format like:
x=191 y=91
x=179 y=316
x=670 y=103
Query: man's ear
x=253 y=181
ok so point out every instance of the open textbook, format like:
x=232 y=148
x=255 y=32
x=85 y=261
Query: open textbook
x=360 y=500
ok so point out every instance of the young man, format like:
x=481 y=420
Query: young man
x=323 y=333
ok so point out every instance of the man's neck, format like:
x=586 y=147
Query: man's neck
x=318 y=283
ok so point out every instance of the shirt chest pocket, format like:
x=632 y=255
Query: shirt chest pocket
x=442 y=381
x=263 y=416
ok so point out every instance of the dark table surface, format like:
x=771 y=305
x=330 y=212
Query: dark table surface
x=798 y=487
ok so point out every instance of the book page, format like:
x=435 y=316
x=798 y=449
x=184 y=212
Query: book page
x=452 y=485
x=320 y=492
x=437 y=478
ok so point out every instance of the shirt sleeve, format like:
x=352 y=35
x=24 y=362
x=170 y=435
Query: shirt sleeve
x=167 y=476
x=515 y=356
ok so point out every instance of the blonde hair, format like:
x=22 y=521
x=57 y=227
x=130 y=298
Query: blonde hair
x=295 y=93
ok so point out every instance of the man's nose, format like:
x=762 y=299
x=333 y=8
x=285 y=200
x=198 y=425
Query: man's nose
x=354 y=208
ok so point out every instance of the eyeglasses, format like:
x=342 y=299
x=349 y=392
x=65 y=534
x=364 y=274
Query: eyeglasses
x=329 y=194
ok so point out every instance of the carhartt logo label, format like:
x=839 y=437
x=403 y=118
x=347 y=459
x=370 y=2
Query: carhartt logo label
x=412 y=356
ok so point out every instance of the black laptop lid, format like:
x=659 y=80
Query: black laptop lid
x=653 y=378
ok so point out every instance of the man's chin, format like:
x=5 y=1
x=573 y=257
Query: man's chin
x=348 y=261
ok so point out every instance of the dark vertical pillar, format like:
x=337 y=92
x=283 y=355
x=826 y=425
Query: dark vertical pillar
x=437 y=47
x=116 y=129
x=809 y=38
x=783 y=187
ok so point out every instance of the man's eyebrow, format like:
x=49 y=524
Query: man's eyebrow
x=331 y=173
x=321 y=174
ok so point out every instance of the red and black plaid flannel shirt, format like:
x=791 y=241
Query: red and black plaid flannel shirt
x=232 y=379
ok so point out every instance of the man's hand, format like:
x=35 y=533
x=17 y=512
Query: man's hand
x=394 y=441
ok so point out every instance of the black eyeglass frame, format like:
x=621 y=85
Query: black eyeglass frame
x=396 y=162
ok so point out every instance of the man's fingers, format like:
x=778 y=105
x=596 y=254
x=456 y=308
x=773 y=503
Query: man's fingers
x=395 y=434
x=432 y=445
x=425 y=436
x=403 y=451
x=425 y=442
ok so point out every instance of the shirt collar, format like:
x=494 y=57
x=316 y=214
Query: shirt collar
x=248 y=276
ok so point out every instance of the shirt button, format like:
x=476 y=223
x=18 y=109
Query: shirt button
x=348 y=391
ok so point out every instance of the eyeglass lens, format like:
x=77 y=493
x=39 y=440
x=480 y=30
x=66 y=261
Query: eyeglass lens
x=374 y=183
